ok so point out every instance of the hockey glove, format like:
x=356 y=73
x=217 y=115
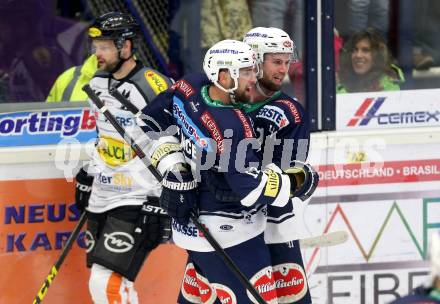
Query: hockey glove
x=83 y=189
x=179 y=196
x=154 y=225
x=303 y=180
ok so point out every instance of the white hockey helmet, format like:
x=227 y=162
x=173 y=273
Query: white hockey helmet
x=270 y=40
x=232 y=55
x=434 y=254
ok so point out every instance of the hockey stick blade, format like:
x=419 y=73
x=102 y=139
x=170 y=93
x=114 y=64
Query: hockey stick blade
x=325 y=240
x=218 y=249
x=55 y=268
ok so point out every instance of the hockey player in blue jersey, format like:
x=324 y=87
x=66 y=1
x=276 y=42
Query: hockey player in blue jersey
x=281 y=124
x=219 y=144
x=429 y=293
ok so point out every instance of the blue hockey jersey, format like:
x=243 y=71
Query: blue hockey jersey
x=218 y=140
x=282 y=128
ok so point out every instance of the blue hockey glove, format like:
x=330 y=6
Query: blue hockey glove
x=303 y=180
x=179 y=196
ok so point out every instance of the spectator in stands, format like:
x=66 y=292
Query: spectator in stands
x=368 y=13
x=428 y=293
x=283 y=14
x=367 y=65
x=426 y=41
x=68 y=86
x=223 y=19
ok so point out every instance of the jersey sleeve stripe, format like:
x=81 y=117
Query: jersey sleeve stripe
x=255 y=194
x=284 y=192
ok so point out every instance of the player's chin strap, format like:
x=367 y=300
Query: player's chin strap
x=120 y=63
x=119 y=45
x=231 y=92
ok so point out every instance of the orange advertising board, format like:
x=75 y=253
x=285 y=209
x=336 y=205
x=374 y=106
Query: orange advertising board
x=37 y=217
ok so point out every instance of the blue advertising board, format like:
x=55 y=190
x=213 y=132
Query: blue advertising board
x=47 y=127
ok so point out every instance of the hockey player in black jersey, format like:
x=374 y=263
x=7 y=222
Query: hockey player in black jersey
x=233 y=191
x=125 y=222
x=281 y=125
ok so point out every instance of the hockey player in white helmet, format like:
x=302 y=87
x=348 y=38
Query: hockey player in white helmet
x=428 y=293
x=281 y=124
x=214 y=131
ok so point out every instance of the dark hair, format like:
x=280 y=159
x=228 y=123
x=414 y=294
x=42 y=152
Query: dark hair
x=382 y=61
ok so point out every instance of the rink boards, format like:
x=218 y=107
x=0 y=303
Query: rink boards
x=382 y=187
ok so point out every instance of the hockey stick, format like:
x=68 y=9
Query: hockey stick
x=55 y=268
x=325 y=240
x=218 y=249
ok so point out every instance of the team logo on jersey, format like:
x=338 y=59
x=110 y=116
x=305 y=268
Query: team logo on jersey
x=189 y=128
x=118 y=180
x=196 y=288
x=118 y=241
x=290 y=282
x=157 y=83
x=126 y=94
x=89 y=241
x=188 y=230
x=114 y=152
x=190 y=288
x=226 y=227
x=207 y=293
x=210 y=124
x=264 y=283
x=183 y=87
x=194 y=106
x=245 y=123
x=224 y=294
x=273 y=114
x=292 y=108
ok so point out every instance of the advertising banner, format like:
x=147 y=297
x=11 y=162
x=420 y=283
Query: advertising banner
x=385 y=110
x=37 y=215
x=387 y=197
x=382 y=187
x=46 y=127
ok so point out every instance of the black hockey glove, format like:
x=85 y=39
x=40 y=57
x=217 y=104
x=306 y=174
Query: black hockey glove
x=154 y=225
x=83 y=188
x=179 y=197
x=303 y=180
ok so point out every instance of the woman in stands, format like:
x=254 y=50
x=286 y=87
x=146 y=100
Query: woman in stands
x=367 y=65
